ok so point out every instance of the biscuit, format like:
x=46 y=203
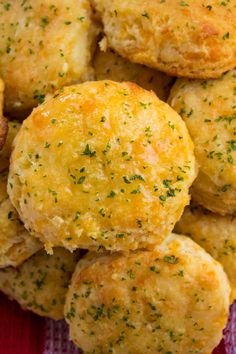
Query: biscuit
x=181 y=38
x=111 y=66
x=40 y=283
x=215 y=233
x=5 y=153
x=101 y=165
x=16 y=244
x=44 y=46
x=173 y=299
x=208 y=108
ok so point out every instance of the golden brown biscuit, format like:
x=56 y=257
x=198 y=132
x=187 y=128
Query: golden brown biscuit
x=209 y=111
x=3 y=121
x=101 y=165
x=40 y=283
x=215 y=233
x=13 y=128
x=44 y=46
x=16 y=244
x=110 y=66
x=173 y=299
x=182 y=38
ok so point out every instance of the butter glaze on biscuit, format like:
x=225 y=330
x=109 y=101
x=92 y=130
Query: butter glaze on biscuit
x=101 y=165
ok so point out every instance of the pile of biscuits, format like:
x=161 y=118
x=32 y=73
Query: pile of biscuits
x=118 y=169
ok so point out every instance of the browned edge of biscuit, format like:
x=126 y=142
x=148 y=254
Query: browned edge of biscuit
x=3 y=131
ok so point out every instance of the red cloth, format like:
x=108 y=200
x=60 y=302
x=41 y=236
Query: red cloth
x=21 y=332
x=220 y=349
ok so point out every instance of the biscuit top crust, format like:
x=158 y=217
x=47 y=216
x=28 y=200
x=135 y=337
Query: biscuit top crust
x=101 y=164
x=173 y=299
x=44 y=45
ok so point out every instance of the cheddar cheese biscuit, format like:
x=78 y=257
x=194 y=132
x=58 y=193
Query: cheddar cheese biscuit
x=172 y=299
x=193 y=39
x=44 y=46
x=41 y=282
x=101 y=165
x=208 y=108
x=215 y=233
